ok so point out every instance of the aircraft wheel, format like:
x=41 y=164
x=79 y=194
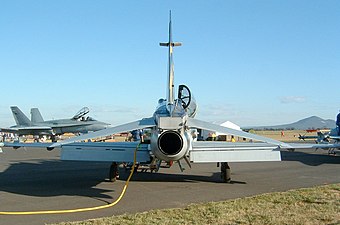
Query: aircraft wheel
x=113 y=172
x=225 y=172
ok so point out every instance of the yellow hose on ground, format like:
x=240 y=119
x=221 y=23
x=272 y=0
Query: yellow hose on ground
x=82 y=209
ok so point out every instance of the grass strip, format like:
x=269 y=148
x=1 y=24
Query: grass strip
x=318 y=205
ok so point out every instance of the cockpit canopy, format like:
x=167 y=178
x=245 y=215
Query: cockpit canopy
x=81 y=113
x=184 y=104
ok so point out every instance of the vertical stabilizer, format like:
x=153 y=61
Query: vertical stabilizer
x=19 y=117
x=36 y=116
x=170 y=45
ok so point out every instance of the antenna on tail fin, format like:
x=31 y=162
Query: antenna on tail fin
x=170 y=92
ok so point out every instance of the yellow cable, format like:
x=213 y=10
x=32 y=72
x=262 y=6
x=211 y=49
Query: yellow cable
x=81 y=209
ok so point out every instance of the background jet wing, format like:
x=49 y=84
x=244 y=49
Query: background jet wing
x=194 y=123
x=139 y=124
x=315 y=146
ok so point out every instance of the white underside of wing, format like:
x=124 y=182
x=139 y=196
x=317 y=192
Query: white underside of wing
x=210 y=151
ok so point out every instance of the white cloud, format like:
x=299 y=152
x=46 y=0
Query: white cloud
x=292 y=99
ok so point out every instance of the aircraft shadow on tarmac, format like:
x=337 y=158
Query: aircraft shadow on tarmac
x=311 y=159
x=55 y=178
x=46 y=178
x=169 y=177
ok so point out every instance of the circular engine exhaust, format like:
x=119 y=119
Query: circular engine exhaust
x=170 y=142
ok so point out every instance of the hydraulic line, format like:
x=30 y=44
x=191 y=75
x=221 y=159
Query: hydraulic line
x=82 y=209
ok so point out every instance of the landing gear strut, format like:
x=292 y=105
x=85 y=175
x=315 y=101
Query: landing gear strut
x=54 y=138
x=225 y=172
x=114 y=174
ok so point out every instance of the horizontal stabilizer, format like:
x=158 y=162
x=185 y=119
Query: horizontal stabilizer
x=105 y=152
x=25 y=130
x=173 y=44
x=9 y=130
x=209 y=151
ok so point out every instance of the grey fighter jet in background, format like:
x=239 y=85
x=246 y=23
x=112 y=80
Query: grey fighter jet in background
x=37 y=126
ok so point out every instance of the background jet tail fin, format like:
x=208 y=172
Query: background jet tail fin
x=36 y=116
x=19 y=117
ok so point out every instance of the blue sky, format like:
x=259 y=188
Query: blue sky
x=250 y=62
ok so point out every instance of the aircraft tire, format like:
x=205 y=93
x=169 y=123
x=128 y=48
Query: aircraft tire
x=225 y=172
x=113 y=175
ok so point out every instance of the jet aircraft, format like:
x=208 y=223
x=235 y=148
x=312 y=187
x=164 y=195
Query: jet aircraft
x=37 y=126
x=173 y=130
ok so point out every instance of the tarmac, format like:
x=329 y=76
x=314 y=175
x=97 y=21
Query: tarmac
x=36 y=179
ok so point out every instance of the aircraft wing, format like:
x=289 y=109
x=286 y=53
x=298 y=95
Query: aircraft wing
x=139 y=124
x=194 y=123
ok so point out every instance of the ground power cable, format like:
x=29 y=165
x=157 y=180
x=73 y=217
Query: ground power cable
x=82 y=209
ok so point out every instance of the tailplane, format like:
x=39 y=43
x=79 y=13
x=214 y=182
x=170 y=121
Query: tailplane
x=19 y=117
x=36 y=116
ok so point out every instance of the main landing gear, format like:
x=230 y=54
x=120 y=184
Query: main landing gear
x=225 y=172
x=114 y=173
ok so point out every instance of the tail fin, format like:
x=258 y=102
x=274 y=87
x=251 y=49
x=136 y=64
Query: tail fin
x=170 y=45
x=36 y=116
x=19 y=117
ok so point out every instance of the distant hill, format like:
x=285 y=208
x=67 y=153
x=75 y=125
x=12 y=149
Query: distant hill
x=312 y=122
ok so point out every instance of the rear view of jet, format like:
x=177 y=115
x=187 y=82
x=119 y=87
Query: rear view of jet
x=37 y=126
x=173 y=130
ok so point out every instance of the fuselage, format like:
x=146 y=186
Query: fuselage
x=58 y=127
x=171 y=139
